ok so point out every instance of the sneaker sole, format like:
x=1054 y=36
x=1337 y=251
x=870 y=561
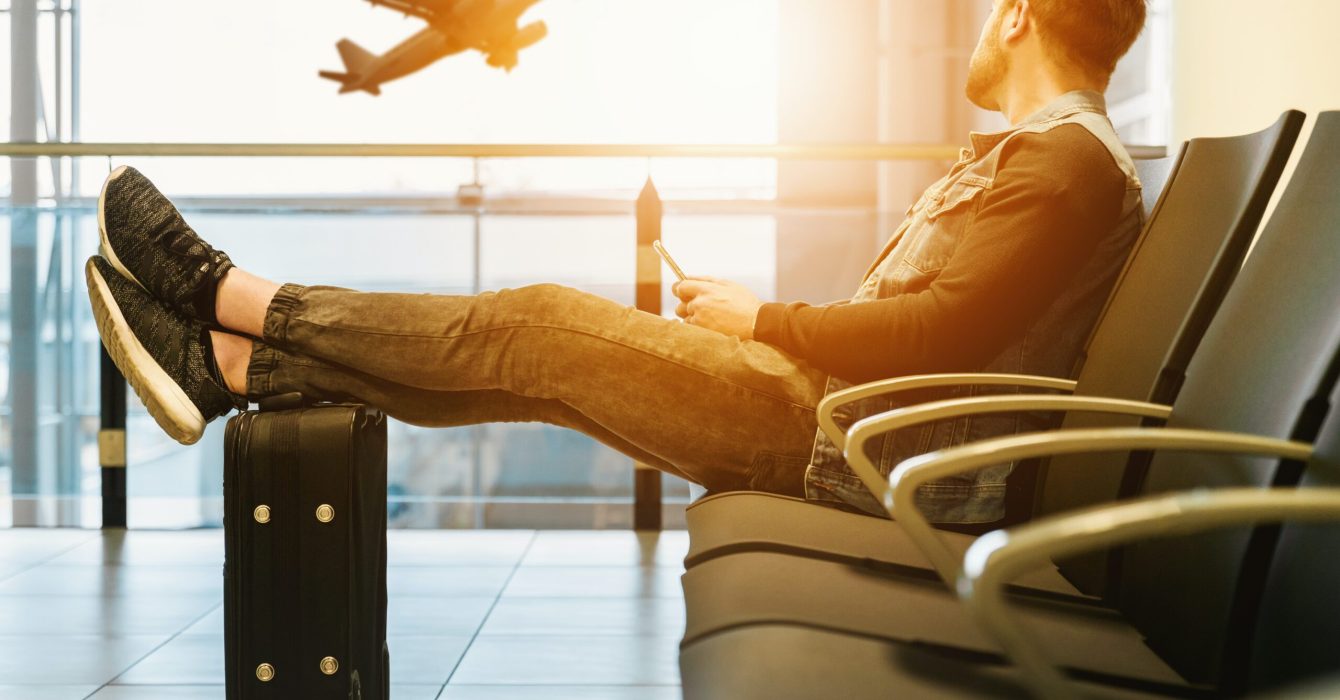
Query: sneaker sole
x=105 y=243
x=164 y=399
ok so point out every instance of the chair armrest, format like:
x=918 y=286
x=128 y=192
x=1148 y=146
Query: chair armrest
x=868 y=428
x=914 y=472
x=998 y=557
x=831 y=402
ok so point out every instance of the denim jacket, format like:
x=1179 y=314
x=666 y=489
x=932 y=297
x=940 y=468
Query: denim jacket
x=1050 y=346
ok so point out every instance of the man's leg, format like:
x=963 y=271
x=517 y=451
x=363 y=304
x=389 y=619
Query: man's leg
x=725 y=413
x=264 y=370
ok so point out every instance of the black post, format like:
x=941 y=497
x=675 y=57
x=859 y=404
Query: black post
x=112 y=443
x=647 y=481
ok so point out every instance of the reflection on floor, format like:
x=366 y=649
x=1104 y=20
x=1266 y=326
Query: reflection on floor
x=478 y=615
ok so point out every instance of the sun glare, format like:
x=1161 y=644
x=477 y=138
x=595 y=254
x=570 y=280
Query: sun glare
x=610 y=71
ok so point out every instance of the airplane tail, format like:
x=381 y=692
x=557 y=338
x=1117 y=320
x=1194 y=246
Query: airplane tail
x=356 y=60
x=529 y=35
x=355 y=57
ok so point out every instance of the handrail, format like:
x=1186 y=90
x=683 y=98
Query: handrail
x=869 y=152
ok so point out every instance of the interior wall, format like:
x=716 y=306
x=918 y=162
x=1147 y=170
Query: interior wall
x=1238 y=63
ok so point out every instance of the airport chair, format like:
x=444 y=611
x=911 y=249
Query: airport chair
x=1198 y=232
x=1267 y=367
x=1296 y=625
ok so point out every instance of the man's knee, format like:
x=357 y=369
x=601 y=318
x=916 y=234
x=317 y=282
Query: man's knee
x=552 y=302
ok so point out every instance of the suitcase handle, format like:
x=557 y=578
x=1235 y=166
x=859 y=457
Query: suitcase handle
x=284 y=402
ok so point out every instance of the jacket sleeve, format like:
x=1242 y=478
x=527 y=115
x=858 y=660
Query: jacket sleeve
x=1056 y=195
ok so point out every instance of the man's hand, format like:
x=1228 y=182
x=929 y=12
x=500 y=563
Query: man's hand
x=719 y=305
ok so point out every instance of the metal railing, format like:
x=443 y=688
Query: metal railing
x=426 y=150
x=817 y=152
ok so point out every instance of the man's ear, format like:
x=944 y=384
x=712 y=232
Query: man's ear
x=1018 y=21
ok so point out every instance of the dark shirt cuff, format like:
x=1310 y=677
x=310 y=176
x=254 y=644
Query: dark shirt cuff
x=768 y=323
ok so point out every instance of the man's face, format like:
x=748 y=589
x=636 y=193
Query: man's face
x=989 y=64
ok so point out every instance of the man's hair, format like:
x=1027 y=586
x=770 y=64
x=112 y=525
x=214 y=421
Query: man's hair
x=1091 y=35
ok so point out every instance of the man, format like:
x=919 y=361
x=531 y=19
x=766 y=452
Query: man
x=1002 y=266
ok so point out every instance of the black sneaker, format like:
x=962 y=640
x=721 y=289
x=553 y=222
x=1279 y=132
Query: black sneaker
x=164 y=356
x=146 y=239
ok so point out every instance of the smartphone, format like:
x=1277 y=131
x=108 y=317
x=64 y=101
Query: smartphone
x=660 y=250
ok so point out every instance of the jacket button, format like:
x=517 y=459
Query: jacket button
x=265 y=673
x=261 y=514
x=329 y=665
x=325 y=513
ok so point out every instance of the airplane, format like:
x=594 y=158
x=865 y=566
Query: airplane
x=488 y=26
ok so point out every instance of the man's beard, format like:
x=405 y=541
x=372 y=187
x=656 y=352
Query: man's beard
x=986 y=72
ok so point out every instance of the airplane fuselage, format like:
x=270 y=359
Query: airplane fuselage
x=410 y=55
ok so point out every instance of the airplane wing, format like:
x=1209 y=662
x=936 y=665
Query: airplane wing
x=425 y=11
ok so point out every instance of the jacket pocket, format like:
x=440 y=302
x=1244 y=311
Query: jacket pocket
x=948 y=215
x=960 y=194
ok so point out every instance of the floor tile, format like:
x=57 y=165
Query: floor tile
x=416 y=692
x=161 y=692
x=45 y=615
x=46 y=692
x=560 y=692
x=149 y=547
x=199 y=660
x=74 y=660
x=614 y=548
x=182 y=661
x=456 y=547
x=595 y=582
x=570 y=660
x=11 y=567
x=431 y=617
x=458 y=581
x=618 y=616
x=214 y=692
x=35 y=544
x=114 y=581
x=211 y=625
x=591 y=614
x=425 y=660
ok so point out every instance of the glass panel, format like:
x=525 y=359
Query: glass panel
x=50 y=468
x=6 y=426
x=609 y=71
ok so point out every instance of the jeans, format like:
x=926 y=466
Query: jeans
x=724 y=413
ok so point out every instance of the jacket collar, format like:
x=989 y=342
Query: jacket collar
x=1070 y=103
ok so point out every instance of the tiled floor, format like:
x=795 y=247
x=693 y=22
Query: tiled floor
x=489 y=615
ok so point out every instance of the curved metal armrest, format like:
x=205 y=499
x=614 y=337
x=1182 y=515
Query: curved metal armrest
x=914 y=472
x=866 y=429
x=831 y=402
x=998 y=557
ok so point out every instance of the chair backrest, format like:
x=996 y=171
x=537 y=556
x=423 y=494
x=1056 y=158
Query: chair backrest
x=1154 y=174
x=1298 y=621
x=1174 y=281
x=1267 y=366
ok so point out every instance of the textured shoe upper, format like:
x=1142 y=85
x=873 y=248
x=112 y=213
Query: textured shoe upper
x=172 y=341
x=151 y=239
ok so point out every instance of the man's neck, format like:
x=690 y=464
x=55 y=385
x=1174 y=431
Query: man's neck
x=1021 y=98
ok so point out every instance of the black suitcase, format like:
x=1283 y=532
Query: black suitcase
x=305 y=553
